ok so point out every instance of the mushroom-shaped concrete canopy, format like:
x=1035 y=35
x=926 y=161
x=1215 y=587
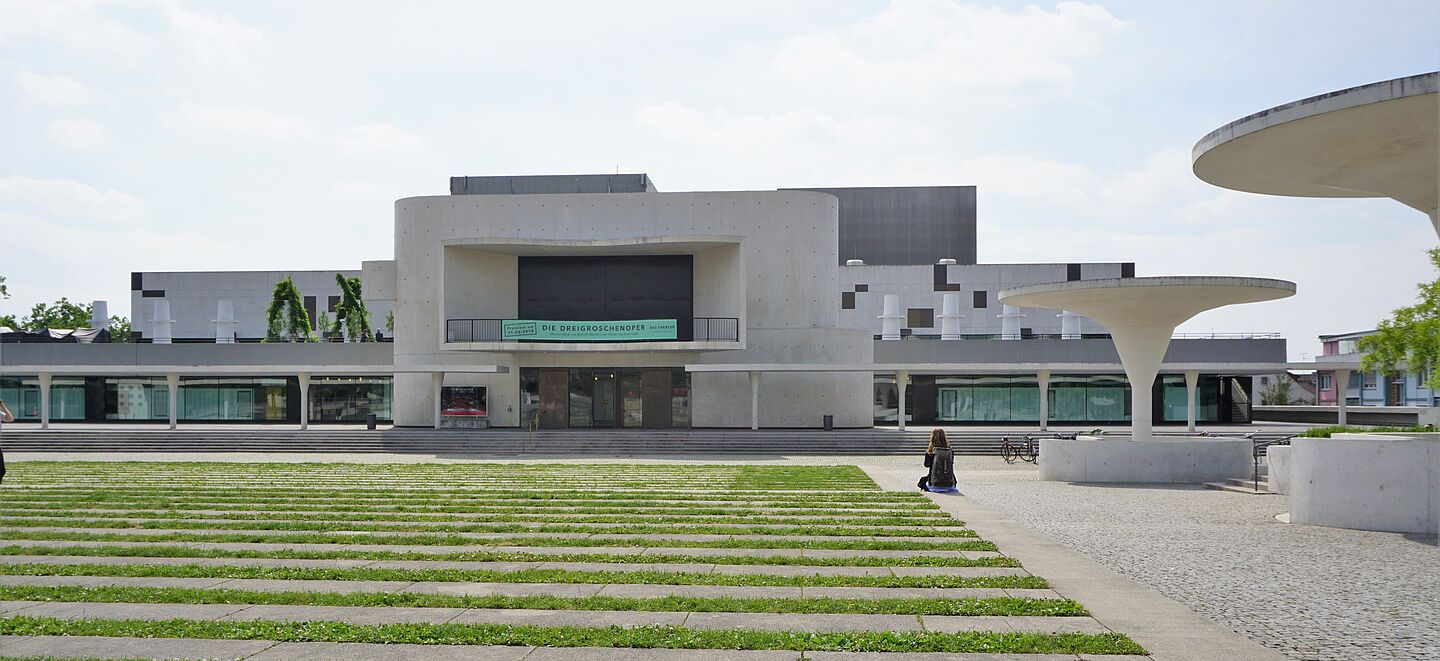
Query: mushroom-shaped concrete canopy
x=1142 y=313
x=1376 y=140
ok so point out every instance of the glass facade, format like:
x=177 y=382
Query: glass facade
x=137 y=398
x=235 y=399
x=350 y=399
x=608 y=397
x=1001 y=399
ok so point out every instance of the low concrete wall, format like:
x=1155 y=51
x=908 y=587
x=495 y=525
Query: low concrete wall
x=1162 y=460
x=1354 y=415
x=1385 y=482
x=1278 y=459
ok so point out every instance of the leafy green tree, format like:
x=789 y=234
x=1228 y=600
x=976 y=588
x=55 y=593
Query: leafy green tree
x=286 y=319
x=119 y=329
x=60 y=314
x=1411 y=336
x=351 y=317
x=4 y=293
x=1277 y=393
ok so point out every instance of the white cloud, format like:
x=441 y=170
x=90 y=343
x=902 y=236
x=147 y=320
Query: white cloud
x=77 y=134
x=921 y=48
x=52 y=91
x=377 y=139
x=133 y=33
x=68 y=203
x=245 y=122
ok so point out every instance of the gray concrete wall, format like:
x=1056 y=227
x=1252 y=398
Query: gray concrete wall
x=194 y=295
x=916 y=287
x=785 y=290
x=1037 y=350
x=906 y=224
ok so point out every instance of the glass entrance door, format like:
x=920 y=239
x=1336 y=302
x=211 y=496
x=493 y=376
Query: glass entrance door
x=603 y=414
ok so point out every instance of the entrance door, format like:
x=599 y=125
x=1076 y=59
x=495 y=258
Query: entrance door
x=656 y=411
x=603 y=413
x=1395 y=395
x=554 y=398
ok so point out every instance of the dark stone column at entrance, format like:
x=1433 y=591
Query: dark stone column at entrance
x=655 y=396
x=554 y=398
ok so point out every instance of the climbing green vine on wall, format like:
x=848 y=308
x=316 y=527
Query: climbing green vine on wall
x=351 y=317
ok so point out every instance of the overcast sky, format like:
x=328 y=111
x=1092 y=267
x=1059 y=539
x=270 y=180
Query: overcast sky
x=157 y=135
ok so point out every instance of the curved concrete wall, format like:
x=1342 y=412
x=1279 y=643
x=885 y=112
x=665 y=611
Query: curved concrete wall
x=1379 y=482
x=780 y=282
x=1160 y=460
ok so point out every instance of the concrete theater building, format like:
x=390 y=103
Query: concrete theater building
x=597 y=301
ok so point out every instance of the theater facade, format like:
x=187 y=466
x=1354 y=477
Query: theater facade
x=597 y=301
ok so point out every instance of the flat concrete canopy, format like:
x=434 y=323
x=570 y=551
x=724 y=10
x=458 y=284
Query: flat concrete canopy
x=1376 y=140
x=1141 y=315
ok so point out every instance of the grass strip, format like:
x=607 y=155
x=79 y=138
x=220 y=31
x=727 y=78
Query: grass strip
x=1006 y=606
x=615 y=529
x=280 y=505
x=636 y=637
x=487 y=518
x=426 y=495
x=459 y=540
x=511 y=556
x=522 y=576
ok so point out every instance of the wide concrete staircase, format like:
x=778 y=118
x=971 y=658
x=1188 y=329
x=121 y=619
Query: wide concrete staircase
x=1246 y=485
x=493 y=441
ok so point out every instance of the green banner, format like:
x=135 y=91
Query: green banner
x=598 y=331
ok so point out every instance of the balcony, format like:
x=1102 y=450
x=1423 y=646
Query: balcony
x=690 y=334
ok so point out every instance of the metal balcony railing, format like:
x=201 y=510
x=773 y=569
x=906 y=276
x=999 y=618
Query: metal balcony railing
x=694 y=329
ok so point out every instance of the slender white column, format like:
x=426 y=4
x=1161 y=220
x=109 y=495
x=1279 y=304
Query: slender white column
x=1042 y=378
x=304 y=400
x=755 y=400
x=1192 y=380
x=224 y=322
x=99 y=315
x=172 y=387
x=161 y=322
x=1342 y=388
x=44 y=380
x=1069 y=325
x=438 y=380
x=902 y=379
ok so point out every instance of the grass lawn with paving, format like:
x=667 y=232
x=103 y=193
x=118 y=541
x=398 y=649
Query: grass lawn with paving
x=129 y=521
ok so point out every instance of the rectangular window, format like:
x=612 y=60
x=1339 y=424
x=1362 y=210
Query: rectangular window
x=334 y=301
x=310 y=309
x=847 y=300
x=1370 y=382
x=1072 y=272
x=1325 y=382
x=980 y=299
x=137 y=281
x=920 y=317
x=1127 y=270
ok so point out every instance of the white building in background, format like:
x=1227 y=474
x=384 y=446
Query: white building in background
x=598 y=301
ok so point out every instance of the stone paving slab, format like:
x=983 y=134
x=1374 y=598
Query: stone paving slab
x=700 y=591
x=828 y=622
x=69 y=610
x=380 y=652
x=498 y=537
x=553 y=618
x=348 y=614
x=102 y=647
x=420 y=565
x=507 y=589
x=13 y=606
x=125 y=581
x=1016 y=623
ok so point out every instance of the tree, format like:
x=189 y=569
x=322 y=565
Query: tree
x=286 y=319
x=4 y=293
x=1411 y=336
x=350 y=313
x=61 y=314
x=1277 y=393
x=119 y=329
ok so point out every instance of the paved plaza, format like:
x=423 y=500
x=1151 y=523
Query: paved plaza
x=1310 y=592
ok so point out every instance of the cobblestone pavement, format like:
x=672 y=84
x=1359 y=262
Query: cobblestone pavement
x=1310 y=592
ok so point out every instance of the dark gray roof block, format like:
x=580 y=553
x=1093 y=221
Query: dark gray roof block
x=906 y=225
x=543 y=184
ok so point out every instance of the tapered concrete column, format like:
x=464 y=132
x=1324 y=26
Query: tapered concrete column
x=160 y=322
x=44 y=380
x=1342 y=388
x=892 y=319
x=755 y=400
x=950 y=317
x=1141 y=314
x=438 y=381
x=1010 y=322
x=1069 y=325
x=172 y=388
x=1042 y=378
x=1192 y=381
x=304 y=400
x=902 y=379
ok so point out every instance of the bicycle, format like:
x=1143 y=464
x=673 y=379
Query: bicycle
x=1027 y=452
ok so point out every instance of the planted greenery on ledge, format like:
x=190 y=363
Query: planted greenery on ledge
x=286 y=319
